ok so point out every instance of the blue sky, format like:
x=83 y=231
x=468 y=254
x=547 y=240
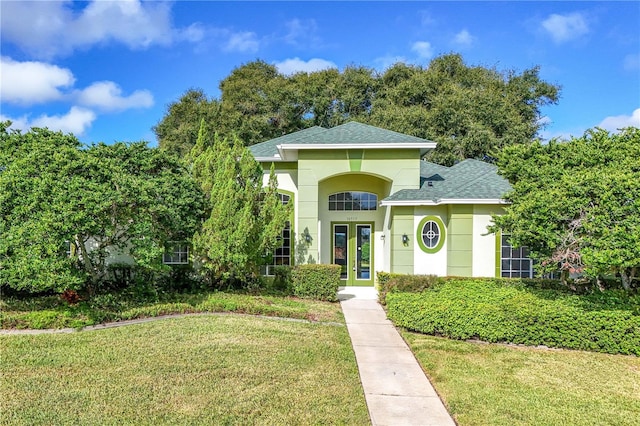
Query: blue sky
x=106 y=71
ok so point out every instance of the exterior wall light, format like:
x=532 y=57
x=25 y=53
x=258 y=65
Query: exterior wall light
x=405 y=239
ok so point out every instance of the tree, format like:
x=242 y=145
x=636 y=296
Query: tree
x=576 y=204
x=98 y=199
x=244 y=221
x=177 y=132
x=471 y=111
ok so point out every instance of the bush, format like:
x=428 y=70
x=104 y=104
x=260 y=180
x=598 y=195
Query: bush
x=282 y=278
x=316 y=281
x=388 y=283
x=491 y=311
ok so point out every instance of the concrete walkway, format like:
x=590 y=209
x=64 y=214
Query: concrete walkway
x=395 y=387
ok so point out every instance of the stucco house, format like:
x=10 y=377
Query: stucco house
x=365 y=199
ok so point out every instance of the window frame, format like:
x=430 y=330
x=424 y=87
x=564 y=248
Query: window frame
x=267 y=268
x=521 y=256
x=178 y=249
x=442 y=230
x=339 y=199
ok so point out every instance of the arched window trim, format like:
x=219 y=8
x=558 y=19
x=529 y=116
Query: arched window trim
x=442 y=232
x=346 y=201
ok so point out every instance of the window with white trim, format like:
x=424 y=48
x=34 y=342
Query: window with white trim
x=282 y=255
x=177 y=253
x=431 y=234
x=514 y=262
x=353 y=201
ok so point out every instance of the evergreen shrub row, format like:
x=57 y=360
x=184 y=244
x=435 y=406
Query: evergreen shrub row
x=493 y=311
x=316 y=281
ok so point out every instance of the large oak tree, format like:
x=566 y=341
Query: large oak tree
x=471 y=111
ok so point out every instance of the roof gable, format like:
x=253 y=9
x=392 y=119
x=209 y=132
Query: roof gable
x=345 y=136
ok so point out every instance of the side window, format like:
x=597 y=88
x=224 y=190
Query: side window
x=431 y=234
x=514 y=262
x=177 y=253
x=282 y=255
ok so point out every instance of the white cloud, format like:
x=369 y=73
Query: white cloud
x=423 y=49
x=194 y=33
x=385 y=62
x=107 y=95
x=294 y=65
x=632 y=62
x=76 y=121
x=242 y=42
x=613 y=123
x=29 y=83
x=299 y=31
x=426 y=19
x=47 y=29
x=17 y=123
x=564 y=28
x=463 y=38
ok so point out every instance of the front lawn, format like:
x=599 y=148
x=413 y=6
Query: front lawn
x=147 y=301
x=194 y=370
x=496 y=384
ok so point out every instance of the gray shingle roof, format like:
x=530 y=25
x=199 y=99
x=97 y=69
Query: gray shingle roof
x=269 y=148
x=469 y=179
x=352 y=133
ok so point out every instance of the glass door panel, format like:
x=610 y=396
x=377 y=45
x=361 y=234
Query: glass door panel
x=340 y=249
x=363 y=252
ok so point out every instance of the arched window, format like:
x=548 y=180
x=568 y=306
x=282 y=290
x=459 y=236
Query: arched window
x=431 y=234
x=353 y=201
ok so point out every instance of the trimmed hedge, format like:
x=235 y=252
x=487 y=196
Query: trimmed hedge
x=316 y=281
x=491 y=311
x=388 y=282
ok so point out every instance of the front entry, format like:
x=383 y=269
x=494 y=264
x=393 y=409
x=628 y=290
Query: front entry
x=353 y=251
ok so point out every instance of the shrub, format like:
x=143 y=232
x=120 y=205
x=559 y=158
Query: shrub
x=70 y=296
x=491 y=311
x=282 y=278
x=388 y=282
x=316 y=281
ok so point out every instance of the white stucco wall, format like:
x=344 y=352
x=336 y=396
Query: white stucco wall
x=429 y=263
x=484 y=251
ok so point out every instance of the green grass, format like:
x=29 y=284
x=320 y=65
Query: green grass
x=53 y=312
x=194 y=370
x=495 y=384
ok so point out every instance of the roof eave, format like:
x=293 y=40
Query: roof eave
x=422 y=146
x=441 y=201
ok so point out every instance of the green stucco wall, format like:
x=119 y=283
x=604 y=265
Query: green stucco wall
x=460 y=241
x=322 y=172
x=401 y=254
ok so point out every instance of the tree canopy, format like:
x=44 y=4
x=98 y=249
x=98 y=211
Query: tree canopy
x=471 y=111
x=576 y=204
x=64 y=206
